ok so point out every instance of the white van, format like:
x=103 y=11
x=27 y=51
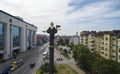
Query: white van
x=45 y=55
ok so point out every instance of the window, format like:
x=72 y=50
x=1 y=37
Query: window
x=28 y=38
x=2 y=36
x=10 y=20
x=92 y=45
x=106 y=44
x=106 y=54
x=113 y=38
x=16 y=36
x=106 y=38
x=102 y=42
x=113 y=51
x=113 y=44
x=92 y=41
x=91 y=49
x=33 y=37
x=113 y=57
x=106 y=49
x=102 y=52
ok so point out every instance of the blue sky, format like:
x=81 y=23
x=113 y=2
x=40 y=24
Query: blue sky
x=72 y=15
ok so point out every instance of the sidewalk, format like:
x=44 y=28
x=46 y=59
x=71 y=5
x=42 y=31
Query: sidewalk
x=75 y=68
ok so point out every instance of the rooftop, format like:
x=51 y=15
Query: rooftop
x=18 y=18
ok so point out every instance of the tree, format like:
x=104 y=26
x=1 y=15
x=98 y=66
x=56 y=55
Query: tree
x=61 y=42
x=66 y=41
x=93 y=62
x=82 y=55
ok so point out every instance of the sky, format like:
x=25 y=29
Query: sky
x=73 y=15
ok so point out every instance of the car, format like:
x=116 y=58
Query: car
x=16 y=64
x=13 y=68
x=32 y=64
x=6 y=70
x=19 y=62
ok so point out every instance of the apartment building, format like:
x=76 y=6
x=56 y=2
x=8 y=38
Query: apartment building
x=84 y=37
x=106 y=47
x=91 y=41
x=16 y=35
x=118 y=47
x=105 y=43
x=98 y=42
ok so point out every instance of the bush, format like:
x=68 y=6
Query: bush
x=45 y=68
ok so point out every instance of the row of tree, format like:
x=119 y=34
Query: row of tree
x=94 y=63
x=63 y=42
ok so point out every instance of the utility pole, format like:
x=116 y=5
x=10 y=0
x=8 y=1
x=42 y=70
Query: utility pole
x=52 y=31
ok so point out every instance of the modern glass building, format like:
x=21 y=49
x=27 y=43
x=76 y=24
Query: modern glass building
x=16 y=35
x=2 y=40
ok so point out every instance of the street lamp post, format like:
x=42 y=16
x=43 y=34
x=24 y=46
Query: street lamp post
x=52 y=31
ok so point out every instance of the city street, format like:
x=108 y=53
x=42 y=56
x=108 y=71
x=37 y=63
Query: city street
x=29 y=56
x=36 y=57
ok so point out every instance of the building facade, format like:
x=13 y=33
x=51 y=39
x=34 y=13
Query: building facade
x=84 y=37
x=118 y=49
x=105 y=43
x=91 y=41
x=74 y=39
x=16 y=35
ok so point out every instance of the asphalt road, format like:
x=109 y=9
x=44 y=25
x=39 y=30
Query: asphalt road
x=34 y=55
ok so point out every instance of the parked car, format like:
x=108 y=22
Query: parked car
x=19 y=62
x=6 y=70
x=16 y=64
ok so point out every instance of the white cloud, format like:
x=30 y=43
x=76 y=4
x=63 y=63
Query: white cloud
x=42 y=12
